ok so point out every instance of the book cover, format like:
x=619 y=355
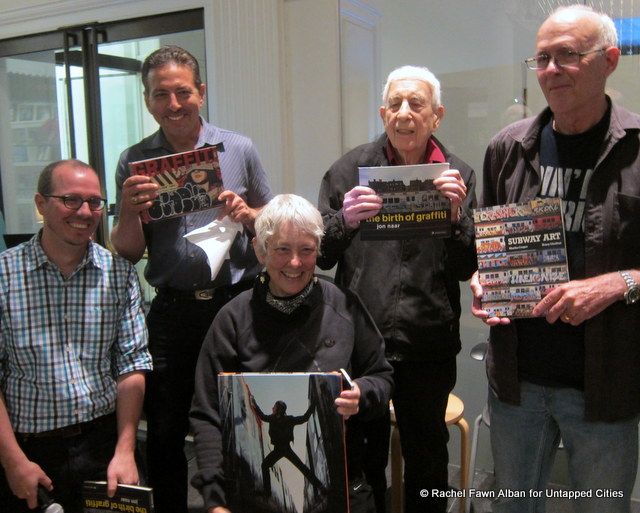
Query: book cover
x=128 y=498
x=188 y=182
x=411 y=205
x=521 y=254
x=283 y=442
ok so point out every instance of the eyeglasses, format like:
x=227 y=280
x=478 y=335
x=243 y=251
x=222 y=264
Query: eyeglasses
x=74 y=202
x=563 y=59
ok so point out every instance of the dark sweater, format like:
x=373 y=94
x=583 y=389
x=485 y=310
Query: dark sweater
x=330 y=330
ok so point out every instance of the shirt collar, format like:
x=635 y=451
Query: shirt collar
x=36 y=257
x=433 y=154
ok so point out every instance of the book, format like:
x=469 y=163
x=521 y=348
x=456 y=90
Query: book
x=522 y=254
x=283 y=442
x=411 y=205
x=188 y=182
x=128 y=498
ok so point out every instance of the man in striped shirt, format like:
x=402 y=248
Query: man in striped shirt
x=73 y=351
x=188 y=298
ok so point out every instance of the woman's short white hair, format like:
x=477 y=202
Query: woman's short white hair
x=607 y=33
x=414 y=73
x=283 y=209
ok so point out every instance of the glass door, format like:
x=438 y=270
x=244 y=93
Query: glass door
x=30 y=136
x=125 y=119
x=77 y=93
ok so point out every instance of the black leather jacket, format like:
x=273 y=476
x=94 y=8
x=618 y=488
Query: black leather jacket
x=410 y=287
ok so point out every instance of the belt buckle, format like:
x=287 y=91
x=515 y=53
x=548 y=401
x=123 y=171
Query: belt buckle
x=204 y=294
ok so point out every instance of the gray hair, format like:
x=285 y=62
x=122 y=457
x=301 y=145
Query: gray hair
x=287 y=208
x=607 y=33
x=414 y=73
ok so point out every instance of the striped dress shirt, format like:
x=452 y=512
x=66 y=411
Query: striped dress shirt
x=173 y=260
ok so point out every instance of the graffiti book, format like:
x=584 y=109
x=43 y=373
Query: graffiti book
x=188 y=182
x=411 y=205
x=522 y=254
x=128 y=498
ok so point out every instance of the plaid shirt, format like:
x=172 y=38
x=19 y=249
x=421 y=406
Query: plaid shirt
x=64 y=341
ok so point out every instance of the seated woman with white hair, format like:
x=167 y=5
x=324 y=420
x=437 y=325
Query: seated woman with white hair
x=291 y=321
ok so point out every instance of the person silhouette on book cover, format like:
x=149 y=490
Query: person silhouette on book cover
x=281 y=434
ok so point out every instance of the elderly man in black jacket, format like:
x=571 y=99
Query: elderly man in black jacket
x=410 y=287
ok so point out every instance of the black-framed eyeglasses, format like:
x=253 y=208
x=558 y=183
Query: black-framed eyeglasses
x=74 y=202
x=563 y=58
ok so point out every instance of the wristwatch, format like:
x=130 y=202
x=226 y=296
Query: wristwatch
x=632 y=295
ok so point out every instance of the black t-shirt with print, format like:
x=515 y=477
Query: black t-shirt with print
x=553 y=354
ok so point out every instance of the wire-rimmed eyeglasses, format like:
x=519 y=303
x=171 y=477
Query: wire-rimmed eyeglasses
x=563 y=58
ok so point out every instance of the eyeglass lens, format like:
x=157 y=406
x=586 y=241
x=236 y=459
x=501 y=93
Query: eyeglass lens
x=75 y=202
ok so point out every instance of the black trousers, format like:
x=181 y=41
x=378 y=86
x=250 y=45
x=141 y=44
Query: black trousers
x=68 y=461
x=368 y=450
x=420 y=403
x=177 y=326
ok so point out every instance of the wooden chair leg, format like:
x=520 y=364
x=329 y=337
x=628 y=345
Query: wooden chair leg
x=464 y=461
x=397 y=488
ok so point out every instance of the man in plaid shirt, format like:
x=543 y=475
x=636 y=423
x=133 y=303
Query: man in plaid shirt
x=73 y=351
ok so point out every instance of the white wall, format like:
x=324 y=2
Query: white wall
x=312 y=95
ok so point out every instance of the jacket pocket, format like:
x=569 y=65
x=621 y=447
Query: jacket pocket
x=626 y=232
x=628 y=225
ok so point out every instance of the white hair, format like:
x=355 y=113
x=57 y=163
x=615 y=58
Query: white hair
x=414 y=73
x=283 y=209
x=607 y=33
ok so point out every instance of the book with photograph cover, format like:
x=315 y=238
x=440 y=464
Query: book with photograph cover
x=522 y=254
x=411 y=205
x=188 y=182
x=283 y=442
x=128 y=498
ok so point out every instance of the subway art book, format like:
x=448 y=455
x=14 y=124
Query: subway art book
x=522 y=254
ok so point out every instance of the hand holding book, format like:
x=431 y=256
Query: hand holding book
x=138 y=194
x=576 y=301
x=451 y=185
x=360 y=203
x=237 y=209
x=348 y=402
x=476 y=304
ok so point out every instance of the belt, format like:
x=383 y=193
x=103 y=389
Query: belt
x=225 y=292
x=71 y=430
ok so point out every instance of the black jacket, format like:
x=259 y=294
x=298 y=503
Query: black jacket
x=330 y=330
x=612 y=242
x=410 y=287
